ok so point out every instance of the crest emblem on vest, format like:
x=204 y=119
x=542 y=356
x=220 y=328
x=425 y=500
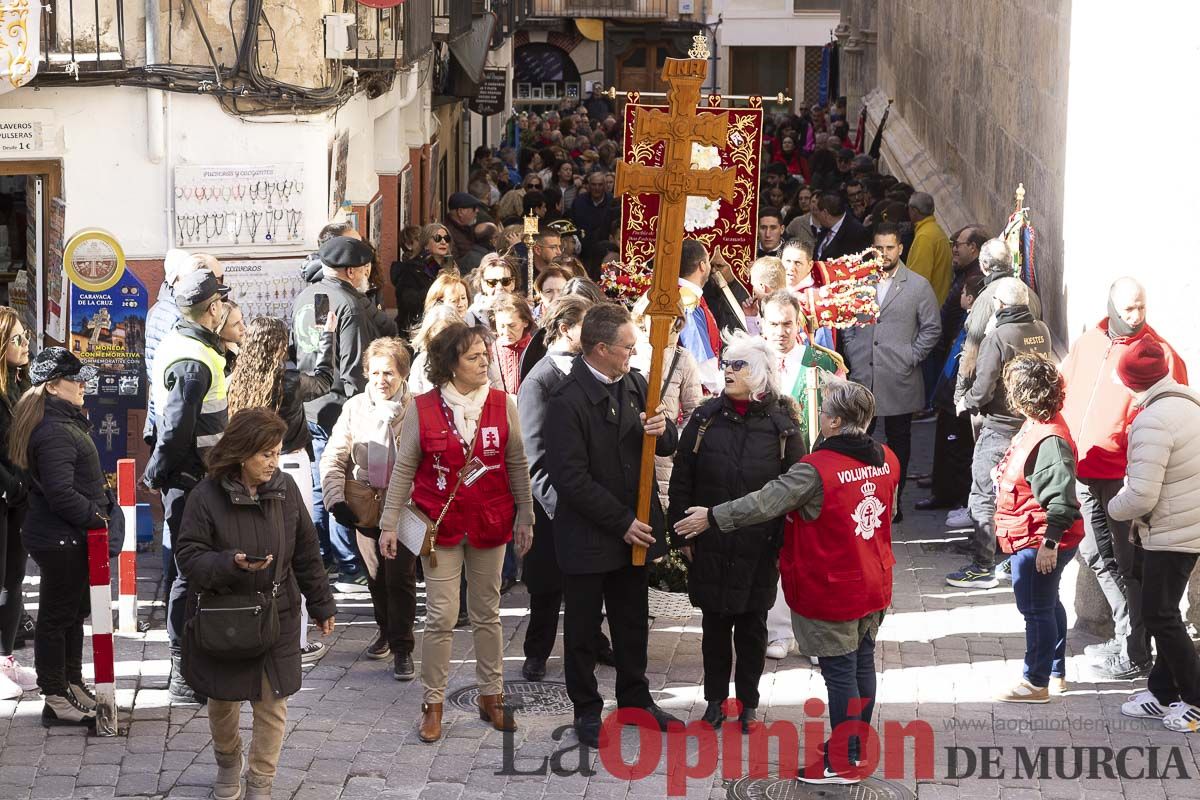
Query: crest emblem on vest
x=868 y=515
x=491 y=441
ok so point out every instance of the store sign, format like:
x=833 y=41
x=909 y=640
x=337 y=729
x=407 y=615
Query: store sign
x=493 y=93
x=108 y=331
x=29 y=133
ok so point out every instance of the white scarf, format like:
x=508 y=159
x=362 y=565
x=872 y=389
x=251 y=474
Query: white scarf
x=381 y=443
x=467 y=408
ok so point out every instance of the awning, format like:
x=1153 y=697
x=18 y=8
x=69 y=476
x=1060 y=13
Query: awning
x=20 y=42
x=471 y=49
x=591 y=29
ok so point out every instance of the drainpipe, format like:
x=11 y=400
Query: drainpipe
x=154 y=97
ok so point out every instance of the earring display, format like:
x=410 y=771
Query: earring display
x=239 y=206
x=265 y=288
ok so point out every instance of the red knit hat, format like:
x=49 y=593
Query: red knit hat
x=1143 y=365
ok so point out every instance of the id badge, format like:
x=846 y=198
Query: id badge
x=473 y=471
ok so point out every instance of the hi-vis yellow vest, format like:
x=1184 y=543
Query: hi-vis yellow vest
x=214 y=413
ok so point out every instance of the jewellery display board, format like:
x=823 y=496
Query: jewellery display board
x=265 y=288
x=239 y=206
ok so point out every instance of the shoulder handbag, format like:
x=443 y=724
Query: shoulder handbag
x=365 y=501
x=417 y=531
x=240 y=626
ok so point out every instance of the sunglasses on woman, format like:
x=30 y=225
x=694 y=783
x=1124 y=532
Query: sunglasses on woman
x=440 y=237
x=737 y=365
x=494 y=282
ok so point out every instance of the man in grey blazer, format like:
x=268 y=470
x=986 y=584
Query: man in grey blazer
x=886 y=357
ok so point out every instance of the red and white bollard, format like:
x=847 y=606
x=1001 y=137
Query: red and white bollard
x=100 y=579
x=127 y=621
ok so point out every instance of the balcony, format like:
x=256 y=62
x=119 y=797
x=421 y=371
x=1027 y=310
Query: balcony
x=451 y=19
x=87 y=36
x=509 y=13
x=613 y=9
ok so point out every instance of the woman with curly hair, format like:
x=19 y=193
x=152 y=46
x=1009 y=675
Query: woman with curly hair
x=1038 y=521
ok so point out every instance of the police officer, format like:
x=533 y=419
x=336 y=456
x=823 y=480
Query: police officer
x=191 y=408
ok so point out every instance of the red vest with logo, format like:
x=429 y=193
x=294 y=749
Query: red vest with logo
x=1020 y=520
x=838 y=567
x=484 y=511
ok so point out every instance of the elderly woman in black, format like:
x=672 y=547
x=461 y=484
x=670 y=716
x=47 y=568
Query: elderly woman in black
x=732 y=445
x=240 y=520
x=51 y=440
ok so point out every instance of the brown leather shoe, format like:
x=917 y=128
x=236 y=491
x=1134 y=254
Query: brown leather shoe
x=431 y=722
x=491 y=709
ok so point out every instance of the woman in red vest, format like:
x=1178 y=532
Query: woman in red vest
x=460 y=458
x=836 y=561
x=1038 y=521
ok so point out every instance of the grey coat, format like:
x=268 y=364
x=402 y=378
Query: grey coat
x=886 y=357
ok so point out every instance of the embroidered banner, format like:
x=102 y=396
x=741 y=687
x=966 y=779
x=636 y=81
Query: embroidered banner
x=728 y=228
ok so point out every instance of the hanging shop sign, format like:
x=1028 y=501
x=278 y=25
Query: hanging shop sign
x=493 y=92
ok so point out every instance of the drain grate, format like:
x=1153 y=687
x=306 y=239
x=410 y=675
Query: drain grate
x=531 y=698
x=782 y=789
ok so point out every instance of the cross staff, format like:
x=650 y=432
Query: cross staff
x=674 y=181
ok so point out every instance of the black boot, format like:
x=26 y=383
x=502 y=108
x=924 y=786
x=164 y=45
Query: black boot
x=178 y=690
x=749 y=719
x=714 y=714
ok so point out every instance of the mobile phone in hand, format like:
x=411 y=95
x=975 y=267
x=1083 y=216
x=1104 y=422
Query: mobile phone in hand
x=255 y=559
x=320 y=308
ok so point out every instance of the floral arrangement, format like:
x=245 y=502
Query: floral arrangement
x=669 y=573
x=702 y=213
x=846 y=296
x=625 y=282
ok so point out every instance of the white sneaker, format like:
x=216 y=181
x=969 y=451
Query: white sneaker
x=9 y=690
x=959 y=518
x=1143 y=705
x=21 y=676
x=779 y=649
x=1182 y=717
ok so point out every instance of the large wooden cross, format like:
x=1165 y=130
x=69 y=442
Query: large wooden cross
x=673 y=181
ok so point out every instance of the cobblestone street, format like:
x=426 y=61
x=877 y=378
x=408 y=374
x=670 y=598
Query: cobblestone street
x=352 y=729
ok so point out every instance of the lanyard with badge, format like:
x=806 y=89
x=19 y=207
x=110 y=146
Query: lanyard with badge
x=474 y=469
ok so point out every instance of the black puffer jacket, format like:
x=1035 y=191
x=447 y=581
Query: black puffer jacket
x=221 y=520
x=12 y=477
x=66 y=485
x=732 y=573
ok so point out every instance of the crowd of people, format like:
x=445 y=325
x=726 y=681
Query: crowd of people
x=489 y=432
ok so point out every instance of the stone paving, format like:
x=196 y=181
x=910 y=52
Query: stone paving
x=351 y=730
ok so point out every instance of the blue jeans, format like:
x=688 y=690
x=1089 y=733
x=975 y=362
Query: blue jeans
x=337 y=541
x=848 y=677
x=1045 y=618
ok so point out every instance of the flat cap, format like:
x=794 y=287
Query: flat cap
x=342 y=252
x=197 y=288
x=463 y=200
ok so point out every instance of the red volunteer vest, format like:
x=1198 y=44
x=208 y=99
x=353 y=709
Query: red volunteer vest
x=1020 y=520
x=483 y=512
x=839 y=566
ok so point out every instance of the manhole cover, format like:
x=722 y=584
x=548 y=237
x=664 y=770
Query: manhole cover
x=777 y=789
x=534 y=698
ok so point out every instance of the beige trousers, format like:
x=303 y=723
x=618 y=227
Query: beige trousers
x=483 y=607
x=266 y=738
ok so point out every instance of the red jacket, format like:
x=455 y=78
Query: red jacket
x=1020 y=519
x=1098 y=407
x=484 y=511
x=839 y=566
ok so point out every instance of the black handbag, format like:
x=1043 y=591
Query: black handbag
x=240 y=626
